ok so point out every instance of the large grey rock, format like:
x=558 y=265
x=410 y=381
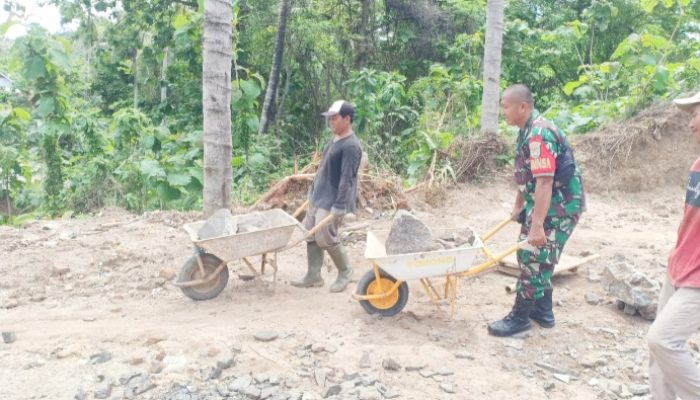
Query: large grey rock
x=251 y=222
x=624 y=282
x=221 y=223
x=408 y=235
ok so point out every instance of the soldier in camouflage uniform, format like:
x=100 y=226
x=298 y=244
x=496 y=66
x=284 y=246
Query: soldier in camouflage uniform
x=548 y=204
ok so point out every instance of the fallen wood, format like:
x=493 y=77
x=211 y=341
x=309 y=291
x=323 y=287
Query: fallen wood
x=509 y=266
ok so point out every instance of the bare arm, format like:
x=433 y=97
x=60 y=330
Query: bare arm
x=518 y=206
x=543 y=196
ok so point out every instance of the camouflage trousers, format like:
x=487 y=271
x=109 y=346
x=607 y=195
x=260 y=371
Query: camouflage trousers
x=537 y=264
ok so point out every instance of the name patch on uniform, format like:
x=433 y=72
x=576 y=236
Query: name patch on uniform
x=542 y=162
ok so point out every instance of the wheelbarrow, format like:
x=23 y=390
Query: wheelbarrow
x=205 y=274
x=383 y=289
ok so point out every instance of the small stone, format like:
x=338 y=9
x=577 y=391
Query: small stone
x=447 y=387
x=103 y=391
x=330 y=349
x=156 y=368
x=562 y=377
x=593 y=276
x=136 y=360
x=59 y=272
x=160 y=355
x=390 y=364
x=412 y=368
x=141 y=384
x=225 y=363
x=365 y=361
x=222 y=390
x=126 y=378
x=443 y=371
x=331 y=391
x=592 y=298
x=153 y=340
x=252 y=392
x=320 y=377
x=174 y=363
x=548 y=385
x=639 y=390
x=265 y=336
x=9 y=337
x=270 y=391
x=80 y=395
x=240 y=383
x=215 y=373
x=213 y=352
x=426 y=373
x=465 y=355
x=317 y=348
x=368 y=394
x=167 y=273
x=100 y=358
x=391 y=394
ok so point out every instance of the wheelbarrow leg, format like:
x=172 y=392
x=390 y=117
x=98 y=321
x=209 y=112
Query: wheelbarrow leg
x=430 y=290
x=274 y=270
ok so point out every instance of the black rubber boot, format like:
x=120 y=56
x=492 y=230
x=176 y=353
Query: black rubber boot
x=516 y=321
x=542 y=310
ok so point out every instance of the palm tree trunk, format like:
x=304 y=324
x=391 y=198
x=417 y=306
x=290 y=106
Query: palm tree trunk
x=266 y=114
x=492 y=66
x=216 y=104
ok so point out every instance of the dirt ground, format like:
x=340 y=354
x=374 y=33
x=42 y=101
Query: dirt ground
x=91 y=307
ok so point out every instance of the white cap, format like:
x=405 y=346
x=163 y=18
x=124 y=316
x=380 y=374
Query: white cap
x=688 y=104
x=339 y=107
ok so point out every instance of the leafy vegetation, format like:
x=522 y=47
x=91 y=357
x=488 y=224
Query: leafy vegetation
x=110 y=112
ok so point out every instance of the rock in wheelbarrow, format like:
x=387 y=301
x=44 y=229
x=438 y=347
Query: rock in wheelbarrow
x=221 y=223
x=408 y=234
x=252 y=222
x=634 y=290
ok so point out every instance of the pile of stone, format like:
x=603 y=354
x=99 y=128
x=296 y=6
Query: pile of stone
x=223 y=223
x=634 y=291
x=409 y=234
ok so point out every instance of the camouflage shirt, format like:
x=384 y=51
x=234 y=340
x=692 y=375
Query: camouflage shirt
x=536 y=151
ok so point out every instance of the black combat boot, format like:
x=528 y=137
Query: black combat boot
x=542 y=311
x=516 y=321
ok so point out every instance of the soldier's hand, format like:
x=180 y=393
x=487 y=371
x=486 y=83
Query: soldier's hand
x=537 y=237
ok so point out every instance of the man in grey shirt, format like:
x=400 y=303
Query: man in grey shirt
x=333 y=191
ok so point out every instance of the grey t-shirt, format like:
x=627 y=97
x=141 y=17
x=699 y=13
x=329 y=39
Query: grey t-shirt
x=335 y=185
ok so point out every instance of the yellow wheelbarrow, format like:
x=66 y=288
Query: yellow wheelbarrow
x=205 y=274
x=383 y=289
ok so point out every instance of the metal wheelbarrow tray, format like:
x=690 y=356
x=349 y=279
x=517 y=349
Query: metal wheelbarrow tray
x=205 y=274
x=383 y=289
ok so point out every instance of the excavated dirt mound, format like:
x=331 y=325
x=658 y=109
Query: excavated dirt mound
x=651 y=149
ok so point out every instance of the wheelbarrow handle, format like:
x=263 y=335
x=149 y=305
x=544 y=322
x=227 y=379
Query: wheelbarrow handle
x=310 y=232
x=300 y=209
x=486 y=236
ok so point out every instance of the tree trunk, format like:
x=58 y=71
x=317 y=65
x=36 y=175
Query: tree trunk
x=492 y=66
x=266 y=114
x=216 y=104
x=164 y=76
x=363 y=30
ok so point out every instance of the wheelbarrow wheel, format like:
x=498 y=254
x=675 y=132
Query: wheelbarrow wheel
x=388 y=306
x=190 y=271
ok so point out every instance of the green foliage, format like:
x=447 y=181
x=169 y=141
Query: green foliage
x=111 y=113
